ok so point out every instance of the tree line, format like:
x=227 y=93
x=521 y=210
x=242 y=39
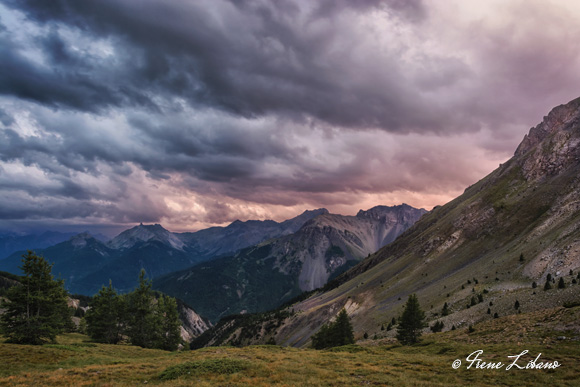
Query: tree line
x=36 y=311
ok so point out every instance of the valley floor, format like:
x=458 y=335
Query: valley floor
x=554 y=333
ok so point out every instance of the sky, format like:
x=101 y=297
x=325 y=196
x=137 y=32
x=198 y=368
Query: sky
x=197 y=113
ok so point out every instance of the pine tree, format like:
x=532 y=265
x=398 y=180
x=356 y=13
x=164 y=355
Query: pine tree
x=334 y=334
x=343 y=329
x=35 y=311
x=561 y=283
x=143 y=322
x=445 y=310
x=517 y=305
x=437 y=327
x=322 y=338
x=169 y=335
x=547 y=285
x=411 y=323
x=106 y=316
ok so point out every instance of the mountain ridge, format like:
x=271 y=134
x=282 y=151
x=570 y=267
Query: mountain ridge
x=87 y=263
x=504 y=235
x=264 y=275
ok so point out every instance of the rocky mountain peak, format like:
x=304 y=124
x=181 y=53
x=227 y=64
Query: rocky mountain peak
x=145 y=233
x=392 y=213
x=553 y=145
x=81 y=240
x=559 y=118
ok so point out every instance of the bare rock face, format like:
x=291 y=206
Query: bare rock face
x=328 y=242
x=192 y=324
x=553 y=145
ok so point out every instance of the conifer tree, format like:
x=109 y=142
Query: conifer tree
x=35 y=311
x=143 y=322
x=547 y=285
x=445 y=310
x=561 y=283
x=322 y=338
x=334 y=334
x=147 y=320
x=343 y=329
x=169 y=335
x=106 y=317
x=411 y=323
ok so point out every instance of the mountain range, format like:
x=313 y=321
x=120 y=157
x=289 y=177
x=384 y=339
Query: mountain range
x=11 y=243
x=245 y=267
x=263 y=276
x=86 y=263
x=493 y=247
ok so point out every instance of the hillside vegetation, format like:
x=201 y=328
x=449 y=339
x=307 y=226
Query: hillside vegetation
x=79 y=362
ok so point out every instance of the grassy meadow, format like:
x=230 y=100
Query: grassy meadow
x=75 y=361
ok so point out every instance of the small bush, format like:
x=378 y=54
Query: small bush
x=207 y=366
x=561 y=283
x=437 y=327
x=571 y=304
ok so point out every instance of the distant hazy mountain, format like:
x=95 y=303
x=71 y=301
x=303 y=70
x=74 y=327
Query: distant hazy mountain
x=11 y=243
x=86 y=263
x=261 y=277
x=220 y=241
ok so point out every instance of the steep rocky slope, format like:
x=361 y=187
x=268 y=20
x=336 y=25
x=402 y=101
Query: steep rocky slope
x=515 y=227
x=192 y=324
x=261 y=277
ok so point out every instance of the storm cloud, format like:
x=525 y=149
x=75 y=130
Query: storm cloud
x=198 y=113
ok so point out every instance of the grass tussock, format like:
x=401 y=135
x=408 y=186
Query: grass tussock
x=223 y=366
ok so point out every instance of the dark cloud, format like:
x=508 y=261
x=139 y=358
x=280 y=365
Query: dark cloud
x=204 y=112
x=257 y=62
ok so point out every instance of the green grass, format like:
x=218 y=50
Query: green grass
x=223 y=366
x=76 y=362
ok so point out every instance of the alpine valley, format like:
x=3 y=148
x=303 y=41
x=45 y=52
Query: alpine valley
x=247 y=266
x=496 y=270
x=488 y=253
